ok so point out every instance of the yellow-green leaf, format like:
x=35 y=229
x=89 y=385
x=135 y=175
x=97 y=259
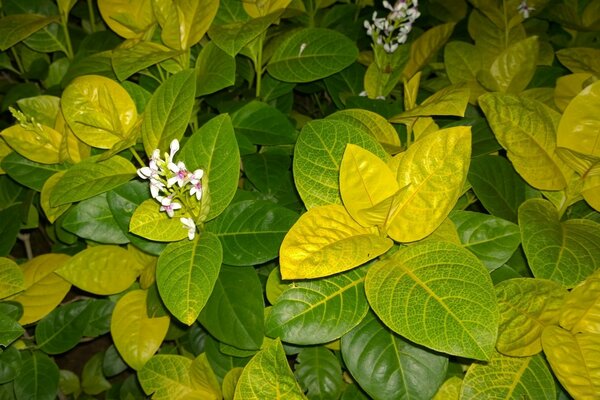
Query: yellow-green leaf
x=581 y=311
x=101 y=270
x=129 y=19
x=15 y=28
x=372 y=123
x=575 y=360
x=591 y=191
x=426 y=46
x=326 y=240
x=526 y=307
x=433 y=170
x=44 y=290
x=12 y=280
x=450 y=389
x=230 y=382
x=99 y=110
x=52 y=213
x=509 y=378
x=569 y=86
x=136 y=336
x=367 y=186
x=580 y=59
x=260 y=8
x=204 y=379
x=268 y=376
x=462 y=61
x=150 y=223
x=186 y=21
x=527 y=130
x=579 y=127
x=451 y=100
x=38 y=143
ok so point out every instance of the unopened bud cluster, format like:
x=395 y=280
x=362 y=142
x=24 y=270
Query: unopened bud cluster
x=392 y=30
x=171 y=184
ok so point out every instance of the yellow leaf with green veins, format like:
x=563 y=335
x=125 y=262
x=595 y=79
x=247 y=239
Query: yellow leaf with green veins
x=433 y=171
x=450 y=389
x=37 y=143
x=136 y=336
x=579 y=127
x=462 y=61
x=326 y=240
x=527 y=130
x=129 y=19
x=148 y=222
x=526 y=307
x=575 y=360
x=425 y=47
x=423 y=126
x=451 y=100
x=581 y=311
x=44 y=290
x=367 y=186
x=12 y=280
x=99 y=111
x=102 y=270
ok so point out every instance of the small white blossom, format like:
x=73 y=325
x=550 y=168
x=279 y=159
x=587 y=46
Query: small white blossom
x=156 y=187
x=189 y=224
x=181 y=174
x=196 y=182
x=524 y=9
x=402 y=14
x=168 y=205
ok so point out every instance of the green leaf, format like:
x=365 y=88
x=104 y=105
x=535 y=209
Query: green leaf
x=319 y=373
x=387 y=366
x=499 y=188
x=184 y=23
x=89 y=178
x=449 y=101
x=92 y=219
x=318 y=155
x=129 y=58
x=220 y=362
x=29 y=173
x=565 y=252
x=100 y=315
x=327 y=240
x=509 y=378
x=580 y=59
x=462 y=61
x=443 y=298
x=11 y=278
x=263 y=124
x=213 y=148
x=215 y=70
x=10 y=330
x=251 y=231
x=311 y=53
x=327 y=308
x=186 y=273
x=425 y=47
x=168 y=112
x=10 y=364
x=62 y=329
x=101 y=270
x=99 y=111
x=527 y=130
x=493 y=240
x=15 y=28
x=92 y=379
x=136 y=336
x=268 y=376
x=271 y=174
x=234 y=313
x=37 y=378
x=112 y=363
x=150 y=223
x=346 y=83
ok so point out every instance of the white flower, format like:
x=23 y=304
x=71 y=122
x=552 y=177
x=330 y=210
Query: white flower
x=402 y=14
x=168 y=205
x=524 y=9
x=174 y=148
x=181 y=174
x=156 y=187
x=196 y=182
x=189 y=224
x=152 y=170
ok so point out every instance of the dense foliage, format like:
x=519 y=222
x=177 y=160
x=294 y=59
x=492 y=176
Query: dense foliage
x=290 y=199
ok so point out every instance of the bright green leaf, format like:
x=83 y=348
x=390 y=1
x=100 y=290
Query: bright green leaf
x=184 y=22
x=11 y=278
x=15 y=28
x=215 y=70
x=150 y=223
x=130 y=58
x=451 y=100
x=126 y=18
x=10 y=330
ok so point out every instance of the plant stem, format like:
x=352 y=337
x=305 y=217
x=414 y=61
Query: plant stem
x=91 y=14
x=18 y=61
x=258 y=63
x=137 y=156
x=64 y=22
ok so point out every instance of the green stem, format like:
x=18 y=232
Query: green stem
x=137 y=156
x=258 y=64
x=91 y=14
x=64 y=23
x=18 y=61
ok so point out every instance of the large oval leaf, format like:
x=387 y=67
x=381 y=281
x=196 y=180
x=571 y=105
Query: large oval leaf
x=127 y=19
x=509 y=378
x=37 y=377
x=37 y=143
x=319 y=373
x=565 y=252
x=186 y=273
x=327 y=308
x=136 y=336
x=99 y=111
x=11 y=278
x=150 y=223
x=526 y=307
x=581 y=312
x=372 y=123
x=234 y=312
x=433 y=171
x=327 y=240
x=527 y=130
x=317 y=157
x=62 y=329
x=311 y=53
x=214 y=148
x=439 y=295
x=251 y=231
x=268 y=376
x=29 y=173
x=184 y=22
x=168 y=112
x=387 y=366
x=263 y=124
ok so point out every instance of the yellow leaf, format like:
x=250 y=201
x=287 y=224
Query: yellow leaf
x=184 y=22
x=102 y=270
x=579 y=127
x=129 y=19
x=230 y=382
x=44 y=290
x=591 y=191
x=11 y=278
x=451 y=100
x=411 y=89
x=450 y=389
x=424 y=126
x=72 y=149
x=581 y=311
x=569 y=86
x=425 y=47
x=4 y=151
x=433 y=171
x=136 y=336
x=203 y=379
x=149 y=222
x=148 y=264
x=367 y=186
x=38 y=143
x=326 y=240
x=260 y=8
x=52 y=213
x=446 y=232
x=575 y=360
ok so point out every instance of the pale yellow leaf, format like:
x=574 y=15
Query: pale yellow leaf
x=581 y=311
x=11 y=278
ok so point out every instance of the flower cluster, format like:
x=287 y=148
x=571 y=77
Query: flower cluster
x=524 y=9
x=393 y=30
x=171 y=184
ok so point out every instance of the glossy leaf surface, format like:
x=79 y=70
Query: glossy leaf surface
x=37 y=378
x=581 y=311
x=319 y=373
x=148 y=222
x=11 y=278
x=62 y=329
